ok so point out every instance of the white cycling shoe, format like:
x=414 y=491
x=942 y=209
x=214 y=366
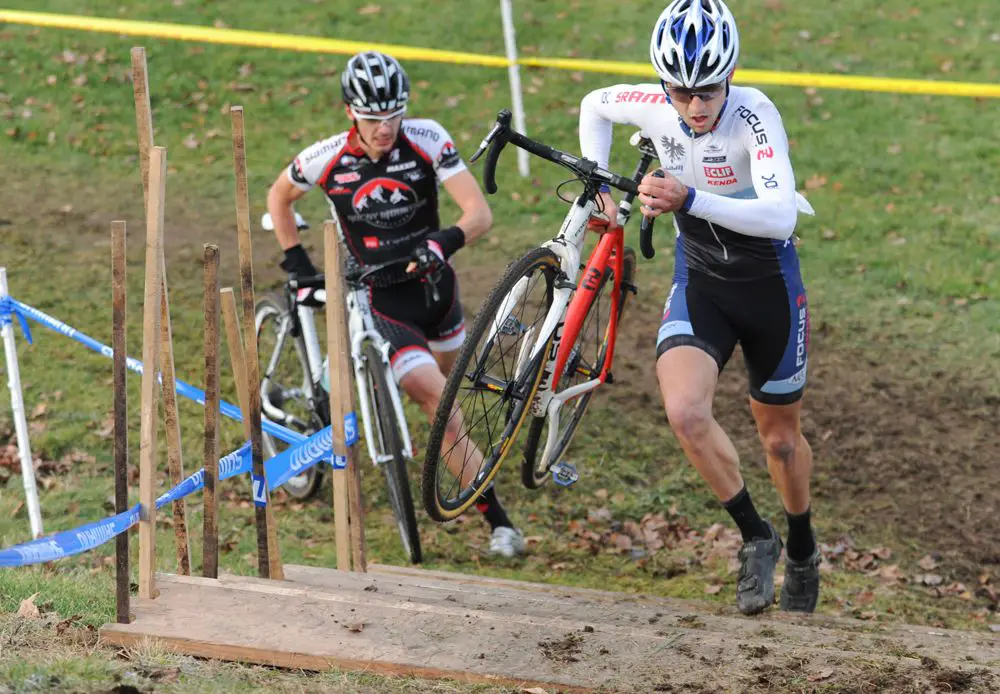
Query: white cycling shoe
x=507 y=542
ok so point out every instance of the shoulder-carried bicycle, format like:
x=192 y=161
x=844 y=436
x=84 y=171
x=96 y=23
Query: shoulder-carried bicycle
x=541 y=343
x=293 y=394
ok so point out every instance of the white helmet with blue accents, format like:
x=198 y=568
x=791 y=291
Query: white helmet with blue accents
x=694 y=43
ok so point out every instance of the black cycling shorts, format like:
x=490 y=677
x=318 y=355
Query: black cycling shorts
x=769 y=317
x=412 y=326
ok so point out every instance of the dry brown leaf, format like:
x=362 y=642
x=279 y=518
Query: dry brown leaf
x=535 y=690
x=927 y=563
x=80 y=80
x=815 y=181
x=191 y=142
x=356 y=627
x=712 y=589
x=28 y=609
x=40 y=409
x=821 y=675
x=67 y=623
x=369 y=9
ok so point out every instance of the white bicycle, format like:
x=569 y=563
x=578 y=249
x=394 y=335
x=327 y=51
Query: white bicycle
x=293 y=393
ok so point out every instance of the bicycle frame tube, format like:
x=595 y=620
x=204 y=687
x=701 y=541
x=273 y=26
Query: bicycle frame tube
x=612 y=241
x=362 y=332
x=567 y=247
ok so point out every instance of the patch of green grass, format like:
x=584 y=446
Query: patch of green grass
x=900 y=259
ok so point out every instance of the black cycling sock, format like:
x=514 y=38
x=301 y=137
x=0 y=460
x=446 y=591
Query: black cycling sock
x=491 y=509
x=751 y=525
x=801 y=543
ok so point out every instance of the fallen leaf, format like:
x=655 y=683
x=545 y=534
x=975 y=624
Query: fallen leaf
x=815 y=181
x=995 y=628
x=894 y=149
x=40 y=409
x=246 y=69
x=821 y=675
x=80 y=80
x=866 y=597
x=67 y=623
x=191 y=142
x=712 y=589
x=28 y=609
x=927 y=563
x=931 y=580
x=535 y=690
x=369 y=9
x=356 y=627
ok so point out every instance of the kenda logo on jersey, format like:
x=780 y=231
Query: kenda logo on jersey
x=720 y=175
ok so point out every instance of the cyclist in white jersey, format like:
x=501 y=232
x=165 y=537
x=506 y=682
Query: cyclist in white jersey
x=728 y=181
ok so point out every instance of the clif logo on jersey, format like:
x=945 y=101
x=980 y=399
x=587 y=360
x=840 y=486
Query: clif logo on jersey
x=385 y=203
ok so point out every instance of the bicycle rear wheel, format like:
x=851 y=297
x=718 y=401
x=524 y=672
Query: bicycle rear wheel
x=389 y=443
x=585 y=363
x=486 y=398
x=283 y=388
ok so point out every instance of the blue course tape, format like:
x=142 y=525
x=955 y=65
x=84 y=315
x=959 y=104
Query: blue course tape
x=10 y=307
x=279 y=469
x=184 y=389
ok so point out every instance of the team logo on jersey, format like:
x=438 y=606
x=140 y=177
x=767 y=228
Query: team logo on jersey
x=371 y=242
x=720 y=159
x=297 y=175
x=765 y=153
x=385 y=203
x=394 y=156
x=672 y=148
x=713 y=148
x=347 y=177
x=448 y=157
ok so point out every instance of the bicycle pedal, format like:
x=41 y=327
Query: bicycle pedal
x=564 y=474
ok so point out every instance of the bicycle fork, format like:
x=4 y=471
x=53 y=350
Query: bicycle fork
x=364 y=403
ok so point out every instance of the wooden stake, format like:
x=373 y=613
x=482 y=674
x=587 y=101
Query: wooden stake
x=150 y=358
x=266 y=541
x=119 y=352
x=348 y=510
x=235 y=341
x=210 y=536
x=175 y=465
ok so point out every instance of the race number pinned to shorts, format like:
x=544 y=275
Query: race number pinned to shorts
x=338 y=462
x=350 y=428
x=259 y=490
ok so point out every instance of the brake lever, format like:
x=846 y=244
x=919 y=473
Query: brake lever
x=646 y=229
x=484 y=145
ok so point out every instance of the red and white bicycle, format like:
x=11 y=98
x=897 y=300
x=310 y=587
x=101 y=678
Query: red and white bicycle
x=541 y=343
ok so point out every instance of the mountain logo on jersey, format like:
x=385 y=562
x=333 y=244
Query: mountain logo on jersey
x=385 y=202
x=448 y=157
x=672 y=148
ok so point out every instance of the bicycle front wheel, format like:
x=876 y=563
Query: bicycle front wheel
x=488 y=392
x=389 y=445
x=586 y=361
x=284 y=373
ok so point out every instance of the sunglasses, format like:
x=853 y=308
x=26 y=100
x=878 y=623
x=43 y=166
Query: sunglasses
x=381 y=117
x=683 y=95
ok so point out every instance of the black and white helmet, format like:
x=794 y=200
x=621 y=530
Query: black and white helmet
x=374 y=82
x=694 y=43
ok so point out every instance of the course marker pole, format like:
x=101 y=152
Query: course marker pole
x=150 y=358
x=20 y=421
x=210 y=535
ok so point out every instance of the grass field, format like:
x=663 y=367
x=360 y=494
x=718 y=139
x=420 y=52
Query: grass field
x=900 y=262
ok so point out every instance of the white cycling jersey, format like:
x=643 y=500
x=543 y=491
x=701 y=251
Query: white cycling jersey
x=742 y=194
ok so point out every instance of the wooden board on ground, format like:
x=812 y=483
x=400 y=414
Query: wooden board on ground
x=431 y=624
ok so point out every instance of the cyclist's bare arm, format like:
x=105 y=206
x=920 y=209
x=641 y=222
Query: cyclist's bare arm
x=280 y=198
x=476 y=219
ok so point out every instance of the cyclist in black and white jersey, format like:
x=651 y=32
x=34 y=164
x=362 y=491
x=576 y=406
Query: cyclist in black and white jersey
x=381 y=178
x=728 y=181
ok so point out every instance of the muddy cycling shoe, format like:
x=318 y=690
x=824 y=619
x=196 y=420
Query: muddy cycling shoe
x=758 y=559
x=800 y=593
x=507 y=542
